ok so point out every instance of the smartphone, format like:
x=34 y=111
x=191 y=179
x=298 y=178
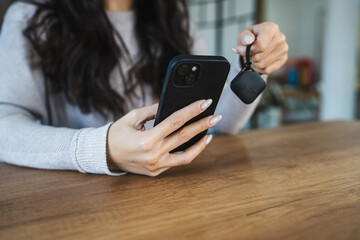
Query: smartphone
x=190 y=78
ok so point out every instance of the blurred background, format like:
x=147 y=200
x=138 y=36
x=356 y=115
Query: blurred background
x=321 y=80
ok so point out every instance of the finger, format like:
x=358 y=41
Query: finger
x=135 y=168
x=275 y=55
x=138 y=117
x=265 y=31
x=273 y=67
x=264 y=34
x=179 y=118
x=258 y=47
x=277 y=45
x=245 y=38
x=187 y=156
x=188 y=132
x=157 y=172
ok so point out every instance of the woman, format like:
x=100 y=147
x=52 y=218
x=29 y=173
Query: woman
x=70 y=68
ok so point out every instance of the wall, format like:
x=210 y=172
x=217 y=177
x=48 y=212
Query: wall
x=302 y=23
x=242 y=12
x=340 y=56
x=325 y=30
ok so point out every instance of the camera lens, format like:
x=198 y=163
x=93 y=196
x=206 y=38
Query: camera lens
x=190 y=79
x=182 y=70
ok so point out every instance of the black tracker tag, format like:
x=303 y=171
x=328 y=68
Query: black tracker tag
x=248 y=84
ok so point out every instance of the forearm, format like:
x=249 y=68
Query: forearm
x=25 y=142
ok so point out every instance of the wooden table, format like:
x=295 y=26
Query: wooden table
x=296 y=182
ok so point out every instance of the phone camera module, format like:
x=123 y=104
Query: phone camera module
x=186 y=74
x=182 y=70
x=190 y=79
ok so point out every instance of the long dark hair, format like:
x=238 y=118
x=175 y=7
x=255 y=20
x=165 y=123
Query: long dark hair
x=77 y=48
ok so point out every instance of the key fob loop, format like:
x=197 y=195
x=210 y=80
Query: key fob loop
x=247 y=84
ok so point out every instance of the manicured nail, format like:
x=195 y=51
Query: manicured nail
x=248 y=39
x=206 y=104
x=234 y=50
x=214 y=120
x=208 y=139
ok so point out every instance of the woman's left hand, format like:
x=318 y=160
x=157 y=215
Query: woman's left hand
x=269 y=50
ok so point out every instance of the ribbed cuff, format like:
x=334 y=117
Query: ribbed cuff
x=90 y=151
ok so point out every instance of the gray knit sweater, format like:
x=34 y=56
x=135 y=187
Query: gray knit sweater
x=74 y=141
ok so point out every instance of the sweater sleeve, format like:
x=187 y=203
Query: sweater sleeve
x=25 y=140
x=235 y=113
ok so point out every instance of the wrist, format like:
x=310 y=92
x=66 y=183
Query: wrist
x=111 y=165
x=109 y=160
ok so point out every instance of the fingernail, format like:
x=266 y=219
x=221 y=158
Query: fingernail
x=248 y=39
x=234 y=50
x=215 y=120
x=206 y=104
x=208 y=139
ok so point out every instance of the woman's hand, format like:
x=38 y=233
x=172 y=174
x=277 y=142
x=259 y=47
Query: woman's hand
x=133 y=149
x=269 y=51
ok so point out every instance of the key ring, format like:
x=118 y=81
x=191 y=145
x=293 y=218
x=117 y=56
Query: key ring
x=248 y=61
x=247 y=84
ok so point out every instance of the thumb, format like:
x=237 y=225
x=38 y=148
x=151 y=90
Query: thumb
x=139 y=116
x=246 y=38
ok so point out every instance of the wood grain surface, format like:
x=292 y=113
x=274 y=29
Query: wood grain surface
x=296 y=182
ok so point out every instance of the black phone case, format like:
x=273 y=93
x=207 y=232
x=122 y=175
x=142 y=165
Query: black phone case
x=210 y=83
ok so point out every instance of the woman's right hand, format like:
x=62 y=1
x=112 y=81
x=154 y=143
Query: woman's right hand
x=131 y=148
